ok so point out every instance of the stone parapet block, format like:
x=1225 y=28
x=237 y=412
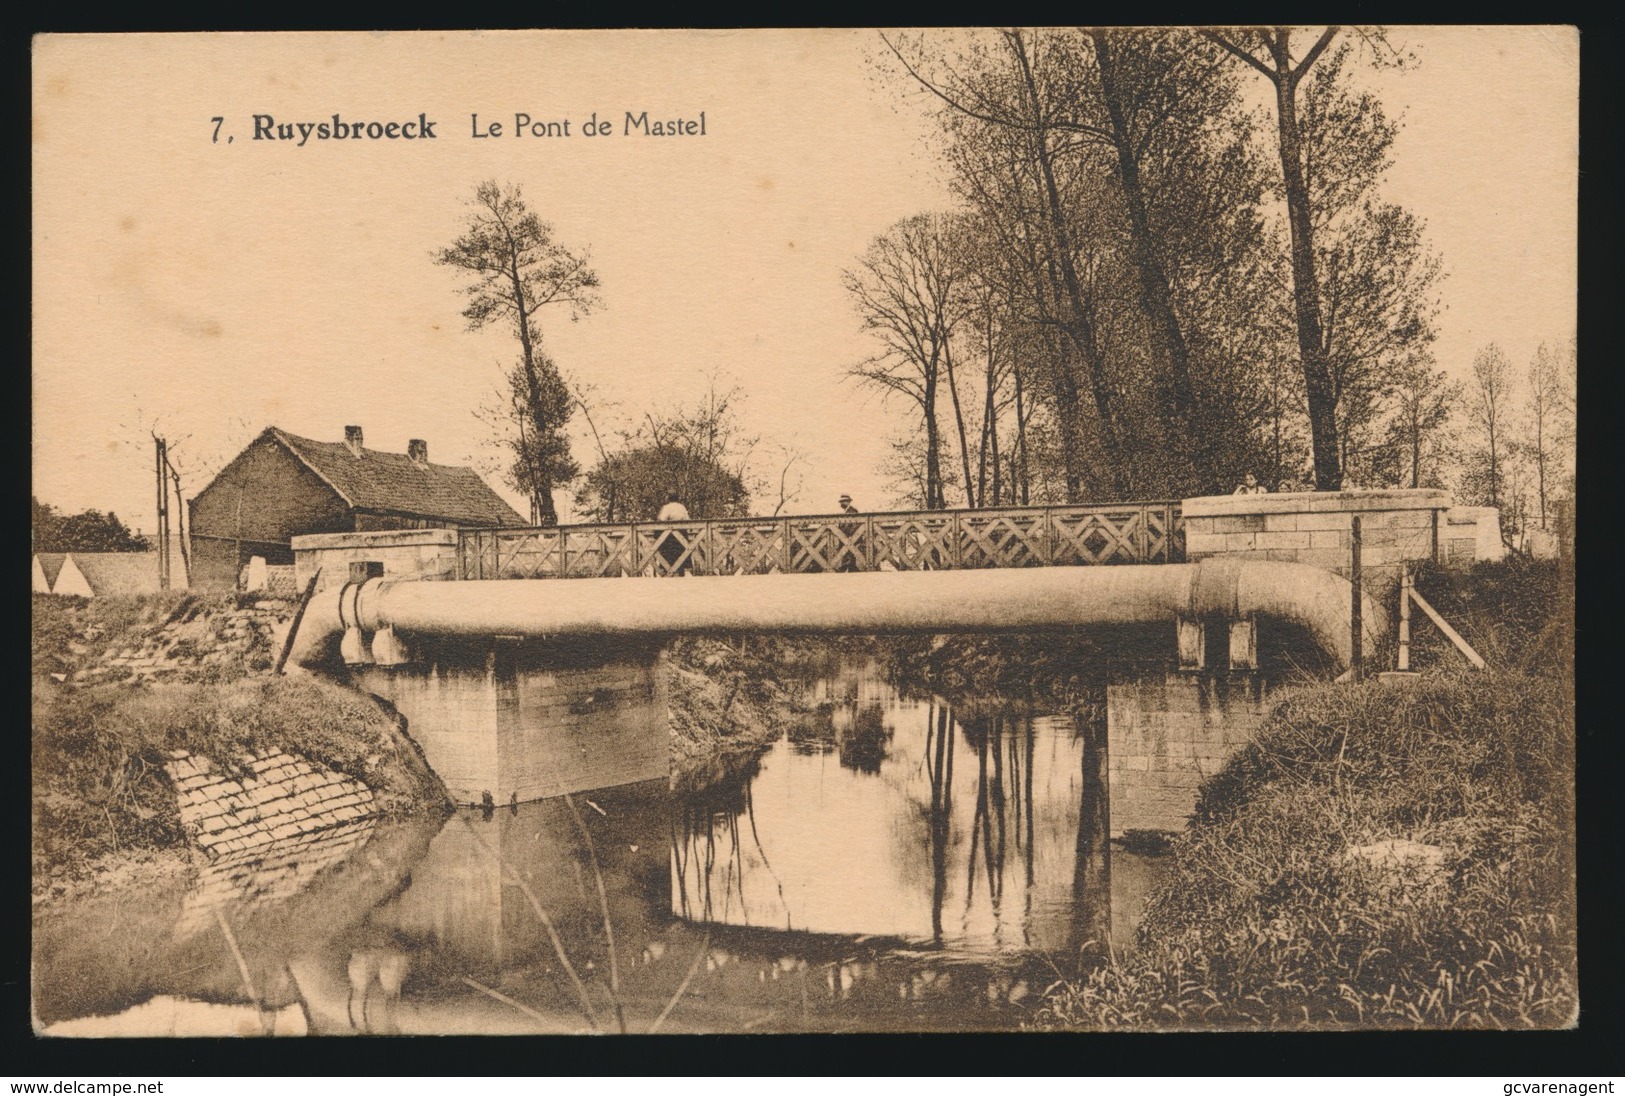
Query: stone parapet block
x=1313 y=502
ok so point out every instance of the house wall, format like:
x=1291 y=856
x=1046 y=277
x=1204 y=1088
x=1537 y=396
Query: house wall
x=265 y=497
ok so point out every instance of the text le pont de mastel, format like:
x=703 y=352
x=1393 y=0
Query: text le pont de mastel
x=639 y=124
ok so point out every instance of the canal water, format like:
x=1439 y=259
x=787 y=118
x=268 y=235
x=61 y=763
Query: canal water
x=890 y=863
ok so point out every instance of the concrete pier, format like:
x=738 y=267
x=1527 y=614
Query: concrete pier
x=528 y=719
x=1166 y=735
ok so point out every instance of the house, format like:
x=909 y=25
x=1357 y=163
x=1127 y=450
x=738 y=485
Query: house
x=283 y=486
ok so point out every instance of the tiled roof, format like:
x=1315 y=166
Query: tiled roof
x=396 y=483
x=124 y=573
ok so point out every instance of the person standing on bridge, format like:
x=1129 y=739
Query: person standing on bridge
x=849 y=550
x=1249 y=485
x=671 y=540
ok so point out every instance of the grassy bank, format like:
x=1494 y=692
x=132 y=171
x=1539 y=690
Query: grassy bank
x=99 y=788
x=1382 y=854
x=730 y=699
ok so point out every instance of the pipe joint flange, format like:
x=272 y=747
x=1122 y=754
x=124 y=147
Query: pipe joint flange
x=1216 y=588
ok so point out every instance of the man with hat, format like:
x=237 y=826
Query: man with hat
x=849 y=530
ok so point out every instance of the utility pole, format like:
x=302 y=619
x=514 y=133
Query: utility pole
x=1356 y=624
x=161 y=467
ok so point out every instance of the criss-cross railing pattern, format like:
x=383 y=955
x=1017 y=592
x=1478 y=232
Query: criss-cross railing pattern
x=1026 y=536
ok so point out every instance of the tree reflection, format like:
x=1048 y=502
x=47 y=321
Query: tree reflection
x=696 y=823
x=939 y=734
x=1092 y=872
x=863 y=748
x=856 y=733
x=1020 y=861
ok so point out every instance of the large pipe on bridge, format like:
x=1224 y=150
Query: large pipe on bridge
x=867 y=602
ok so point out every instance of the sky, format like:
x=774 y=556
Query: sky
x=206 y=285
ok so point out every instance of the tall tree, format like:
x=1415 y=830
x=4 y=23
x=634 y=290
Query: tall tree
x=1009 y=113
x=1112 y=168
x=1546 y=423
x=518 y=269
x=1490 y=399
x=1270 y=53
x=905 y=289
x=1419 y=429
x=1377 y=273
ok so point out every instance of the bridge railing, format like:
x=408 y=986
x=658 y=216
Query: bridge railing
x=1026 y=536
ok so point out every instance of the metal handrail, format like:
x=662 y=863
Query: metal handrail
x=1021 y=536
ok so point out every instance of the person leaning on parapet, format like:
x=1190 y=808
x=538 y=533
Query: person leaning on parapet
x=851 y=532
x=674 y=510
x=671 y=544
x=1249 y=485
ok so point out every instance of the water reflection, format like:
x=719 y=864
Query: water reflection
x=889 y=864
x=979 y=830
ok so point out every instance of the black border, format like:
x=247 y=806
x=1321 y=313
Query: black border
x=1591 y=1050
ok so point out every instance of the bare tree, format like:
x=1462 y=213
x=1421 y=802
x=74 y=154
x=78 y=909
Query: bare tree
x=1490 y=399
x=1544 y=414
x=905 y=291
x=517 y=269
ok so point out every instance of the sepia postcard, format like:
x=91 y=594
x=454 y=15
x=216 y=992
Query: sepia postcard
x=804 y=531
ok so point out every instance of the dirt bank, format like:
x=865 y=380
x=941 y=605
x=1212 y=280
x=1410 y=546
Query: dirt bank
x=729 y=700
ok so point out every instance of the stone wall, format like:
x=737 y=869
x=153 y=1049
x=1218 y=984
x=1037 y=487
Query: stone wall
x=1315 y=527
x=1165 y=736
x=268 y=831
x=1469 y=534
x=405 y=553
x=276 y=797
x=205 y=638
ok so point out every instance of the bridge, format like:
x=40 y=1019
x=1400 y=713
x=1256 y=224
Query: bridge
x=1027 y=536
x=519 y=687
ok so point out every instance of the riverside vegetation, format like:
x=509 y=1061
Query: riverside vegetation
x=1388 y=855
x=103 y=808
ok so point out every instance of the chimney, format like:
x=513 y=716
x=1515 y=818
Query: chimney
x=418 y=450
x=352 y=438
